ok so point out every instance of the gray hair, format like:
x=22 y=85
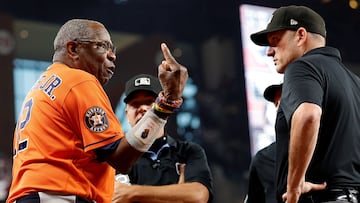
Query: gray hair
x=73 y=29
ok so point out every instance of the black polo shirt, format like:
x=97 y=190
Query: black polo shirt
x=158 y=166
x=319 y=77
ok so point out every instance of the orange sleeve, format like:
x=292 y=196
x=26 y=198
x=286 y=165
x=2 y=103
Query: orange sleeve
x=89 y=110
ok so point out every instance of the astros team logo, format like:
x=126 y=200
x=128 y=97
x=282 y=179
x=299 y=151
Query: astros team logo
x=96 y=119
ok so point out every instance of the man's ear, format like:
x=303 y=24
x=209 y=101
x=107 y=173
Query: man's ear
x=71 y=48
x=302 y=35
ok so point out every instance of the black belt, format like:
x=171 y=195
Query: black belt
x=341 y=194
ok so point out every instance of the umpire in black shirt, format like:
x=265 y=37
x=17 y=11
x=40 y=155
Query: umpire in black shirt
x=171 y=170
x=317 y=125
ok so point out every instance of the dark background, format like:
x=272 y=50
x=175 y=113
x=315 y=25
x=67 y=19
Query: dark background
x=187 y=20
x=208 y=32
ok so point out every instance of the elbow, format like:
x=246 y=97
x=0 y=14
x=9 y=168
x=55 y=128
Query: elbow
x=123 y=170
x=309 y=113
x=201 y=199
x=123 y=158
x=121 y=167
x=201 y=195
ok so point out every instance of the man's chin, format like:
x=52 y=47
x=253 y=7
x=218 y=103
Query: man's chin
x=105 y=81
x=280 y=69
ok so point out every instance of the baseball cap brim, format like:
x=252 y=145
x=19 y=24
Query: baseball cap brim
x=270 y=92
x=131 y=95
x=260 y=38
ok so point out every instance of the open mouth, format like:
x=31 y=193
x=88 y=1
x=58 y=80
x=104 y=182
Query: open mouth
x=110 y=70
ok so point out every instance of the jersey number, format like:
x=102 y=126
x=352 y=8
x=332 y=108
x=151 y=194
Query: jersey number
x=24 y=119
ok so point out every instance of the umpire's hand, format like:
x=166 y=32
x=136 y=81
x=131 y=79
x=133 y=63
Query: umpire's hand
x=172 y=75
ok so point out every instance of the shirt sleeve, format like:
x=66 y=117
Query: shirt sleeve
x=197 y=168
x=89 y=110
x=302 y=83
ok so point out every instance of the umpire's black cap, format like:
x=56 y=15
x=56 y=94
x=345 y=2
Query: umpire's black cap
x=142 y=82
x=270 y=92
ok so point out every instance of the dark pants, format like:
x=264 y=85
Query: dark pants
x=332 y=196
x=35 y=198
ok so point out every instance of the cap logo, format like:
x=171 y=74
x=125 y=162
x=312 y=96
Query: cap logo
x=142 y=81
x=293 y=22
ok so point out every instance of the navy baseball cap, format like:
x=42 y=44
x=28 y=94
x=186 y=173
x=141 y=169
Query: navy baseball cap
x=291 y=18
x=142 y=82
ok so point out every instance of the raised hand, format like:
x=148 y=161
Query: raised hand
x=172 y=75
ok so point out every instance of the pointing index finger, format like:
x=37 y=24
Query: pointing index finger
x=167 y=54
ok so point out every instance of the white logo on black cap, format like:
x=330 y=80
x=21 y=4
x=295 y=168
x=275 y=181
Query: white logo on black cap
x=293 y=22
x=142 y=81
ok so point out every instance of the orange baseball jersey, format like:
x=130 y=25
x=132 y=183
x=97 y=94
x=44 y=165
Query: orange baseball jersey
x=65 y=116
